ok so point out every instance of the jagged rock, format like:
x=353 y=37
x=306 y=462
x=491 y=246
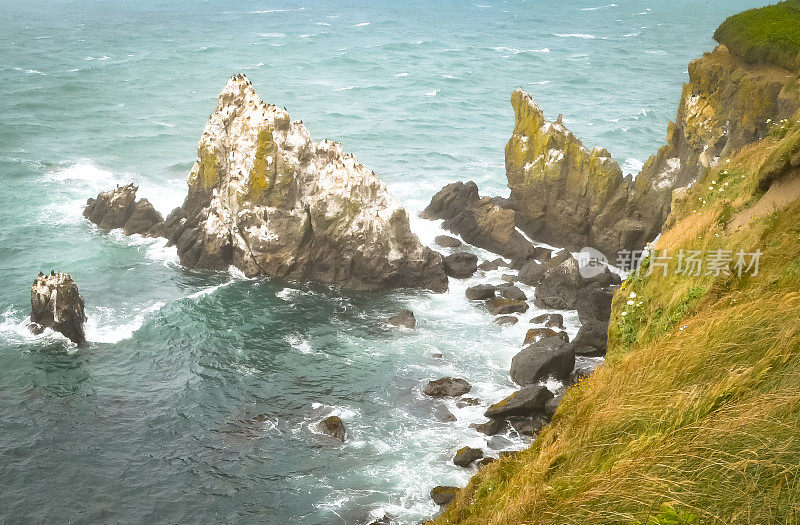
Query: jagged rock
x=480 y=292
x=551 y=405
x=594 y=302
x=549 y=320
x=465 y=456
x=532 y=271
x=333 y=427
x=404 y=318
x=268 y=200
x=506 y=320
x=492 y=265
x=486 y=461
x=445 y=241
x=537 y=334
x=447 y=387
x=527 y=401
x=528 y=426
x=118 y=208
x=56 y=304
x=468 y=402
x=480 y=221
x=461 y=265
x=550 y=357
x=502 y=306
x=558 y=288
x=513 y=292
x=443 y=495
x=491 y=427
x=592 y=338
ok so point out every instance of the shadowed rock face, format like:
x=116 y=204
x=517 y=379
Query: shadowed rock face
x=56 y=304
x=118 y=208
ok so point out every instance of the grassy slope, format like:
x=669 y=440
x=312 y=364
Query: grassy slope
x=695 y=417
x=769 y=34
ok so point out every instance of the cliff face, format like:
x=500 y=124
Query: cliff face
x=268 y=200
x=565 y=194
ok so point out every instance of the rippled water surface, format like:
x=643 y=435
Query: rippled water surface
x=195 y=399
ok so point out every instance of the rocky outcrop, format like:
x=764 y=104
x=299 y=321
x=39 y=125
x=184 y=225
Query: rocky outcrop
x=481 y=221
x=118 y=208
x=447 y=387
x=267 y=199
x=461 y=265
x=549 y=357
x=570 y=196
x=465 y=456
x=480 y=292
x=502 y=306
x=442 y=495
x=403 y=318
x=527 y=401
x=445 y=241
x=333 y=427
x=56 y=304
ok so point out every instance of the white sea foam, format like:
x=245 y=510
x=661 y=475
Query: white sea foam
x=432 y=93
x=99 y=327
x=362 y=24
x=401 y=75
x=632 y=166
x=575 y=35
x=299 y=343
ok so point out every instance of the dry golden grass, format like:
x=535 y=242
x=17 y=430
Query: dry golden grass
x=695 y=417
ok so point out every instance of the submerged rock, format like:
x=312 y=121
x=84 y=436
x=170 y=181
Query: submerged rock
x=333 y=427
x=466 y=456
x=56 y=304
x=550 y=357
x=404 y=318
x=461 y=265
x=447 y=387
x=527 y=401
x=481 y=221
x=443 y=495
x=267 y=199
x=506 y=320
x=118 y=208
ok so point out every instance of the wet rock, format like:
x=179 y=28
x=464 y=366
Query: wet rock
x=404 y=318
x=506 y=320
x=491 y=427
x=492 y=265
x=443 y=495
x=509 y=278
x=559 y=286
x=437 y=356
x=502 y=306
x=466 y=456
x=550 y=357
x=532 y=271
x=468 y=402
x=537 y=334
x=549 y=320
x=292 y=208
x=592 y=338
x=480 y=221
x=442 y=413
x=513 y=293
x=118 y=208
x=480 y=292
x=594 y=302
x=56 y=304
x=383 y=520
x=333 y=427
x=527 y=401
x=551 y=405
x=445 y=241
x=447 y=387
x=461 y=265
x=528 y=426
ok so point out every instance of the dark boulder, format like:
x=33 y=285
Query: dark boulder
x=333 y=427
x=592 y=338
x=559 y=286
x=461 y=265
x=501 y=306
x=537 y=334
x=480 y=292
x=56 y=304
x=527 y=401
x=466 y=456
x=491 y=427
x=549 y=320
x=551 y=405
x=512 y=292
x=528 y=426
x=445 y=241
x=594 y=302
x=492 y=265
x=447 y=387
x=404 y=318
x=443 y=495
x=550 y=357
x=532 y=271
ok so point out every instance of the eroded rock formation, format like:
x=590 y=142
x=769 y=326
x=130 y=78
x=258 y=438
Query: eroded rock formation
x=56 y=304
x=268 y=200
x=118 y=208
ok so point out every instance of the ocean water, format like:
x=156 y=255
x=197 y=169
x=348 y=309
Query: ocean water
x=156 y=420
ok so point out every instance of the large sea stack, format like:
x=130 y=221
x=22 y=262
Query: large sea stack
x=268 y=200
x=56 y=304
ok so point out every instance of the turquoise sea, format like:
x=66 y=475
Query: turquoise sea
x=157 y=419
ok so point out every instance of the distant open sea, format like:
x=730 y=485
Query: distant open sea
x=155 y=421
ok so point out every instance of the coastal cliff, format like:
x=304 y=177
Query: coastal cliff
x=565 y=194
x=692 y=418
x=265 y=198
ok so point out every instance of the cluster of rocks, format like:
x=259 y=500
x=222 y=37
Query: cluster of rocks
x=118 y=208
